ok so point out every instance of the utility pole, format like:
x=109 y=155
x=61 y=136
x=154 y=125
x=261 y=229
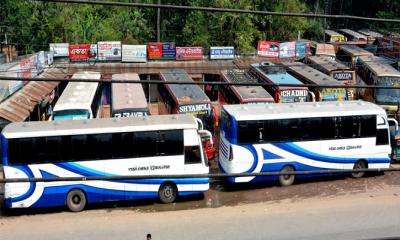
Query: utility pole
x=158 y=23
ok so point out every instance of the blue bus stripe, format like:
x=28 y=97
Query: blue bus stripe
x=32 y=185
x=295 y=149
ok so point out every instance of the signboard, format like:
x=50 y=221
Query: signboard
x=40 y=62
x=222 y=52
x=134 y=53
x=130 y=114
x=343 y=76
x=79 y=53
x=303 y=49
x=50 y=57
x=333 y=94
x=268 y=49
x=168 y=50
x=60 y=49
x=93 y=52
x=287 y=50
x=196 y=109
x=109 y=51
x=294 y=95
x=165 y=50
x=189 y=53
x=26 y=67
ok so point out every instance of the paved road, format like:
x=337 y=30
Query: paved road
x=371 y=214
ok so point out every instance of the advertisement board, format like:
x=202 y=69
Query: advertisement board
x=168 y=51
x=189 y=53
x=303 y=48
x=60 y=49
x=134 y=53
x=287 y=50
x=222 y=53
x=27 y=67
x=161 y=50
x=268 y=49
x=93 y=52
x=109 y=51
x=49 y=56
x=79 y=52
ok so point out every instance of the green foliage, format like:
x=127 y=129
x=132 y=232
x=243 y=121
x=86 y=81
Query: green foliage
x=33 y=25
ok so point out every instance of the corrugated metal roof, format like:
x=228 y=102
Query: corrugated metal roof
x=19 y=106
x=191 y=67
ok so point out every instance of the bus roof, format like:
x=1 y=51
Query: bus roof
x=332 y=33
x=99 y=125
x=325 y=49
x=327 y=63
x=379 y=66
x=184 y=94
x=78 y=95
x=275 y=74
x=353 y=34
x=302 y=110
x=310 y=74
x=370 y=33
x=245 y=92
x=354 y=50
x=127 y=95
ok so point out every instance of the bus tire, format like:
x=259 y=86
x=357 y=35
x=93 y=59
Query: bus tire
x=359 y=165
x=167 y=193
x=76 y=200
x=287 y=180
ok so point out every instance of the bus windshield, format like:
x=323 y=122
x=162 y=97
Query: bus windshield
x=388 y=96
x=294 y=95
x=71 y=115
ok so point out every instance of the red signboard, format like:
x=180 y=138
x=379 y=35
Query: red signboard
x=189 y=53
x=155 y=50
x=268 y=49
x=79 y=53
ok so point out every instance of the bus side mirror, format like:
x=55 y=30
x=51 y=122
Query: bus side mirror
x=393 y=123
x=199 y=124
x=206 y=133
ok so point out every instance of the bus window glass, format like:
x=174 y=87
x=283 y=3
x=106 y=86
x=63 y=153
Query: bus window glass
x=146 y=143
x=368 y=126
x=78 y=144
x=169 y=140
x=382 y=137
x=192 y=155
x=248 y=132
x=71 y=114
x=388 y=96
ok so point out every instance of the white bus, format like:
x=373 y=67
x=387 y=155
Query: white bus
x=79 y=100
x=128 y=99
x=302 y=137
x=142 y=146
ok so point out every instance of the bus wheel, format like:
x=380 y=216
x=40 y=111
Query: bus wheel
x=286 y=180
x=76 y=200
x=359 y=165
x=167 y=193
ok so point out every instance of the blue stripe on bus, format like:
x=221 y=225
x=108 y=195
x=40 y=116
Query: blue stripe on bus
x=255 y=158
x=56 y=196
x=32 y=185
x=87 y=172
x=269 y=155
x=295 y=149
x=4 y=152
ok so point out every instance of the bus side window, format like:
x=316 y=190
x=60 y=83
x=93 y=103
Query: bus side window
x=192 y=154
x=382 y=136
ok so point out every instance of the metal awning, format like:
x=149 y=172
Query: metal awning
x=19 y=106
x=191 y=67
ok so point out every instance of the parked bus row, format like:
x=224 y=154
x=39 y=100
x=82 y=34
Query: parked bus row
x=254 y=138
x=347 y=35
